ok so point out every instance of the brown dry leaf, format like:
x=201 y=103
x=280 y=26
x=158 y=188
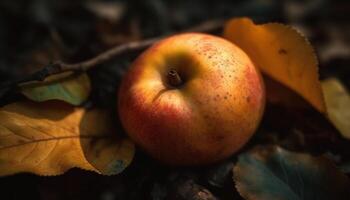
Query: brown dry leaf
x=51 y=137
x=282 y=53
x=338 y=105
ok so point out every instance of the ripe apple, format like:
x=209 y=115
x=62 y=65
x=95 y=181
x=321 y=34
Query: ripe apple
x=191 y=99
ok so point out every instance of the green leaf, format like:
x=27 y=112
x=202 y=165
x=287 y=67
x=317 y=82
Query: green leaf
x=69 y=87
x=272 y=173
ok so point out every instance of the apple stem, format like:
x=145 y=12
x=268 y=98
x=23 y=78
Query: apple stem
x=174 y=78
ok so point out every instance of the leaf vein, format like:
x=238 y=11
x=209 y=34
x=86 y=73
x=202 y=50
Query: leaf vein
x=54 y=138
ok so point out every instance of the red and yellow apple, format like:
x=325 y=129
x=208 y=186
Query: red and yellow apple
x=191 y=99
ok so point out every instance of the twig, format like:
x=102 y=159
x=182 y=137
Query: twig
x=59 y=66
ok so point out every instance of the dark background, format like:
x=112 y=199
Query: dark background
x=33 y=33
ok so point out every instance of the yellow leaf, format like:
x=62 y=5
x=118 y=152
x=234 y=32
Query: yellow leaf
x=52 y=137
x=338 y=105
x=69 y=87
x=282 y=53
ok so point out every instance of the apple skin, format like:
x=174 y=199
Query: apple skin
x=209 y=117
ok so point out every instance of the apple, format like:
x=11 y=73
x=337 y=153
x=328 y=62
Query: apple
x=191 y=99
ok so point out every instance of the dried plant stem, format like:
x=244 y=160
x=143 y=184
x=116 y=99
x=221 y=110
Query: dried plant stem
x=59 y=66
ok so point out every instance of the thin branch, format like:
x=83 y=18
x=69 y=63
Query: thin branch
x=59 y=66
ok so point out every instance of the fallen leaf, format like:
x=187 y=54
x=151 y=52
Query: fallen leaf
x=51 y=137
x=282 y=53
x=68 y=86
x=273 y=173
x=338 y=105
